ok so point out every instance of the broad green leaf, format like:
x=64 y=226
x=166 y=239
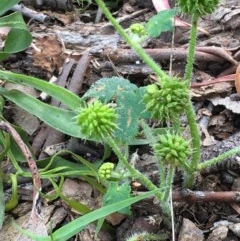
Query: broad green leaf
x=18 y=38
x=13 y=20
x=127 y=117
x=128 y=98
x=60 y=119
x=130 y=108
x=161 y=22
x=65 y=96
x=6 y=5
x=116 y=193
x=107 y=89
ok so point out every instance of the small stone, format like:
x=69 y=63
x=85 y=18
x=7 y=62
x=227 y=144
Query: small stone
x=189 y=232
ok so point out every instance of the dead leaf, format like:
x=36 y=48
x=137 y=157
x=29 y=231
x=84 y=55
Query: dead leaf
x=51 y=57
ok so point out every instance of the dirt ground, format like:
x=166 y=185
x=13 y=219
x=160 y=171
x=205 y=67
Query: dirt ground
x=76 y=49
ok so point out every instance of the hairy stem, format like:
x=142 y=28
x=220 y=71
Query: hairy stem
x=161 y=166
x=134 y=173
x=191 y=51
x=196 y=145
x=142 y=178
x=139 y=50
x=191 y=116
x=169 y=181
x=221 y=157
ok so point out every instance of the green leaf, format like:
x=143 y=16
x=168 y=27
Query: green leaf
x=13 y=202
x=116 y=193
x=75 y=226
x=6 y=5
x=128 y=98
x=162 y=22
x=65 y=96
x=16 y=151
x=130 y=108
x=79 y=207
x=56 y=161
x=107 y=89
x=13 y=20
x=78 y=224
x=60 y=119
x=18 y=38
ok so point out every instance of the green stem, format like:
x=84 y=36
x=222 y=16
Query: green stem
x=143 y=179
x=139 y=50
x=161 y=166
x=221 y=157
x=13 y=202
x=191 y=51
x=134 y=173
x=196 y=145
x=169 y=182
x=191 y=116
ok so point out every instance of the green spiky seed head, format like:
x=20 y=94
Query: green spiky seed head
x=105 y=170
x=168 y=102
x=173 y=149
x=137 y=32
x=137 y=28
x=199 y=7
x=97 y=120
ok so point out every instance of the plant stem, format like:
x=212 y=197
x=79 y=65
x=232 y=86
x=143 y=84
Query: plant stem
x=143 y=179
x=221 y=157
x=191 y=116
x=196 y=145
x=191 y=51
x=145 y=57
x=161 y=166
x=134 y=173
x=169 y=181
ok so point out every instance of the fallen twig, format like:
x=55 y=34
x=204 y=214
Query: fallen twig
x=206 y=196
x=228 y=78
x=30 y=13
x=128 y=55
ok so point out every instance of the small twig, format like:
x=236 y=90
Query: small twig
x=76 y=82
x=128 y=55
x=205 y=196
x=228 y=78
x=98 y=15
x=28 y=12
x=221 y=52
x=187 y=195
